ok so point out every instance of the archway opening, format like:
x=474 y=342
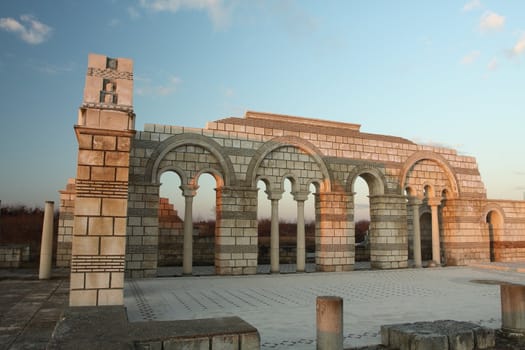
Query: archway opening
x=204 y=223
x=310 y=226
x=362 y=222
x=425 y=224
x=171 y=224
x=494 y=222
x=264 y=225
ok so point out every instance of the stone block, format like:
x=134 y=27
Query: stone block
x=114 y=207
x=85 y=245
x=103 y=142
x=115 y=245
x=428 y=342
x=97 y=280
x=100 y=226
x=110 y=297
x=225 y=342
x=87 y=206
x=89 y=157
x=77 y=280
x=82 y=297
x=485 y=338
x=102 y=173
x=202 y=343
x=117 y=280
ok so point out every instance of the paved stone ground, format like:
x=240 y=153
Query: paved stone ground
x=30 y=308
x=282 y=307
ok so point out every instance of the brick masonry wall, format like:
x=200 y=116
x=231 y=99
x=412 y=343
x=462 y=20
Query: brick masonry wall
x=14 y=255
x=65 y=224
x=229 y=149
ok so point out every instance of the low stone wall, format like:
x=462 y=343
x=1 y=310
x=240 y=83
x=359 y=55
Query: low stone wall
x=107 y=327
x=14 y=255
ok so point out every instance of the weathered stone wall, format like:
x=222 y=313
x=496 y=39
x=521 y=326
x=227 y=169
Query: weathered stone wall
x=65 y=224
x=465 y=227
x=14 y=255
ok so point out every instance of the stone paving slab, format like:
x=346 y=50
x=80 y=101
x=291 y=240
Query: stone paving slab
x=282 y=307
x=29 y=309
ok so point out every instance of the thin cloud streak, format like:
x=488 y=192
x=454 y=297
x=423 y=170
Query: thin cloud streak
x=491 y=21
x=29 y=29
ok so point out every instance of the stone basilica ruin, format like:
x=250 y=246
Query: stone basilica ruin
x=109 y=214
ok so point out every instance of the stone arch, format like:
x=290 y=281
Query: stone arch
x=493 y=220
x=219 y=181
x=171 y=143
x=182 y=174
x=440 y=160
x=375 y=179
x=283 y=141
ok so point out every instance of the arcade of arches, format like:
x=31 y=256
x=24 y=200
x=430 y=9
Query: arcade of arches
x=425 y=202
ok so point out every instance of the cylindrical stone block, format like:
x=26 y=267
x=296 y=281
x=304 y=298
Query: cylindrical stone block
x=329 y=311
x=46 y=246
x=513 y=308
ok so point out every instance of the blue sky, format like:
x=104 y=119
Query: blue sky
x=448 y=73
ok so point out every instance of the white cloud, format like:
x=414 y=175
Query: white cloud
x=493 y=65
x=217 y=11
x=28 y=28
x=491 y=21
x=519 y=47
x=472 y=5
x=114 y=22
x=470 y=57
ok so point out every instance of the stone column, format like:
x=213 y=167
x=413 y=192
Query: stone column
x=388 y=232
x=335 y=235
x=436 y=254
x=236 y=231
x=329 y=310
x=188 y=191
x=300 y=197
x=274 y=233
x=415 y=203
x=46 y=245
x=513 y=309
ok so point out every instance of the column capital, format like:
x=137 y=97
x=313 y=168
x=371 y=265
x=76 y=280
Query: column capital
x=414 y=200
x=274 y=195
x=300 y=196
x=434 y=202
x=189 y=190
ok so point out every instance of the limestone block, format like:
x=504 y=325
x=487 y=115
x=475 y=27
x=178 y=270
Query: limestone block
x=202 y=343
x=80 y=225
x=103 y=142
x=82 y=297
x=77 y=280
x=85 y=245
x=115 y=245
x=100 y=226
x=110 y=296
x=225 y=342
x=117 y=280
x=87 y=206
x=114 y=207
x=96 y=280
x=90 y=157
x=249 y=341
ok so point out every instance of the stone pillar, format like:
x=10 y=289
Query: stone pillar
x=415 y=203
x=513 y=309
x=300 y=197
x=236 y=231
x=388 y=232
x=329 y=311
x=335 y=235
x=436 y=252
x=188 y=191
x=274 y=233
x=46 y=245
x=104 y=133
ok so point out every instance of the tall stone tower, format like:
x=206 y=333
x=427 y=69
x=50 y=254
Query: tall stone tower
x=104 y=132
